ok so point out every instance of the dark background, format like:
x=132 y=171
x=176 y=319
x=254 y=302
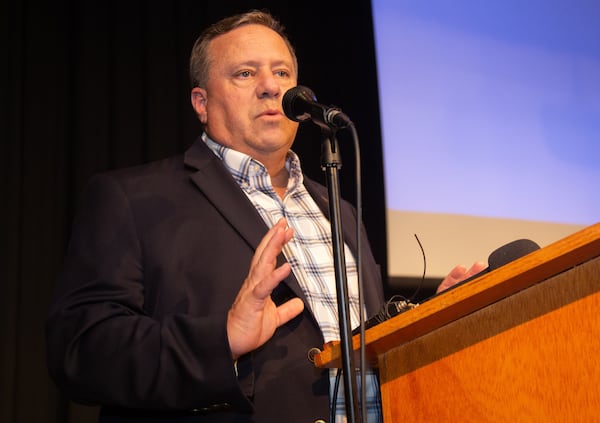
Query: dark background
x=93 y=85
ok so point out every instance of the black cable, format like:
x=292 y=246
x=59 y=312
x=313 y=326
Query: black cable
x=359 y=269
x=336 y=387
x=412 y=298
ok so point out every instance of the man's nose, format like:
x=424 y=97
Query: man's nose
x=268 y=86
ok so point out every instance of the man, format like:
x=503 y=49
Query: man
x=194 y=287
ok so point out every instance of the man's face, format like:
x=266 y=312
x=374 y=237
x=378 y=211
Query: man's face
x=250 y=70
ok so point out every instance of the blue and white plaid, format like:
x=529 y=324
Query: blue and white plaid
x=309 y=252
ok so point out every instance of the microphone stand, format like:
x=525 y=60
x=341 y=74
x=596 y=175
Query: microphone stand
x=331 y=162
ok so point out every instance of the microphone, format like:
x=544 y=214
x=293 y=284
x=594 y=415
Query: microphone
x=498 y=258
x=504 y=255
x=300 y=104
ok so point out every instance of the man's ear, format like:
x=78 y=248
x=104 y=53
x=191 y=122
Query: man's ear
x=198 y=98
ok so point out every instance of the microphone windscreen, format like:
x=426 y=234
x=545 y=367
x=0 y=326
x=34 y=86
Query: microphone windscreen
x=498 y=258
x=294 y=102
x=511 y=251
x=503 y=255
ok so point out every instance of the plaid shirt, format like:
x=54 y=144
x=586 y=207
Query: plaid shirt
x=309 y=252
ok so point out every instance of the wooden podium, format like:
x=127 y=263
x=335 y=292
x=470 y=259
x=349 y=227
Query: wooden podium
x=519 y=344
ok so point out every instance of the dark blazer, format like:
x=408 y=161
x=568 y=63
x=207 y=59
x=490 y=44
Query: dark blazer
x=157 y=255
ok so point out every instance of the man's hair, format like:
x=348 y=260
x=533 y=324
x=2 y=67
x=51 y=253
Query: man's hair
x=199 y=60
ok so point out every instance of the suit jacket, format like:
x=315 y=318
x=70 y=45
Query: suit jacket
x=157 y=255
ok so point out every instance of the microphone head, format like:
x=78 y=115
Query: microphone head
x=511 y=251
x=295 y=103
x=501 y=256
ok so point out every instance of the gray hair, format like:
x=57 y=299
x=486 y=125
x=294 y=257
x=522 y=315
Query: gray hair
x=199 y=60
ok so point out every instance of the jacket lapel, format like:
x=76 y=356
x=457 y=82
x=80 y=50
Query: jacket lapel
x=219 y=187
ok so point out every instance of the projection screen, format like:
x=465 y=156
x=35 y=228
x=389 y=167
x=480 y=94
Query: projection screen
x=490 y=118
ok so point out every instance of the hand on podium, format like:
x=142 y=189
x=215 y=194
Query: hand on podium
x=459 y=274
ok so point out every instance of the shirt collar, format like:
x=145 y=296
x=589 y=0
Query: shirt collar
x=246 y=170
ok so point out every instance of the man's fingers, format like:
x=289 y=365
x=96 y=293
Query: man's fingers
x=272 y=232
x=459 y=274
x=265 y=257
x=288 y=310
x=267 y=284
x=476 y=268
x=253 y=317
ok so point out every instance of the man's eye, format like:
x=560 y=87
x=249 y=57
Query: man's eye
x=282 y=73
x=244 y=74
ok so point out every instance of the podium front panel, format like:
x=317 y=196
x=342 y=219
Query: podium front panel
x=532 y=356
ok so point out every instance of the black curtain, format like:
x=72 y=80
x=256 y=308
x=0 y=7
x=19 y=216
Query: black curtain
x=93 y=85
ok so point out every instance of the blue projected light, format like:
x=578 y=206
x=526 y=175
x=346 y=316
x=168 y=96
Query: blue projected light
x=491 y=108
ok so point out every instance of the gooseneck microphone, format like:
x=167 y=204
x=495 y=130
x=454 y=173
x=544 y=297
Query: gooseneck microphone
x=300 y=104
x=498 y=258
x=504 y=255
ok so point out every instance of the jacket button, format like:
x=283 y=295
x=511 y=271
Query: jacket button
x=311 y=357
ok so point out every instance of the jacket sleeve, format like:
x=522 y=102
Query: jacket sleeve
x=103 y=347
